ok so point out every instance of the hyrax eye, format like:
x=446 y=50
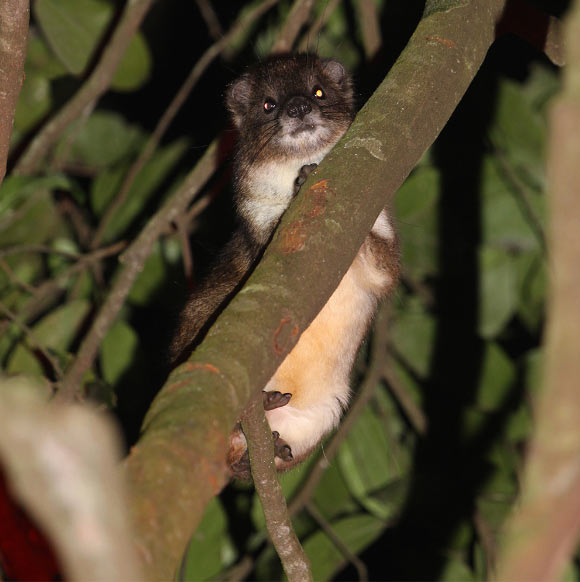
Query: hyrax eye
x=269 y=105
x=318 y=92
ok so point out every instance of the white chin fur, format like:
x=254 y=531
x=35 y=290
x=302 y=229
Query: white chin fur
x=271 y=188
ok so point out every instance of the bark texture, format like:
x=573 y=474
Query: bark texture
x=13 y=38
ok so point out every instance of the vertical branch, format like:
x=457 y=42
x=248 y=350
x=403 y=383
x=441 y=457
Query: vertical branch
x=261 y=449
x=299 y=14
x=13 y=36
x=544 y=531
x=370 y=28
x=90 y=92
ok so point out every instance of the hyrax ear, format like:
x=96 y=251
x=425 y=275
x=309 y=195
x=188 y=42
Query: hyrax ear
x=238 y=98
x=335 y=71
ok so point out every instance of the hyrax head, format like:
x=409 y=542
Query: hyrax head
x=290 y=105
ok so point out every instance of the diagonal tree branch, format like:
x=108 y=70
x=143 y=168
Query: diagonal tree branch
x=90 y=92
x=179 y=462
x=13 y=37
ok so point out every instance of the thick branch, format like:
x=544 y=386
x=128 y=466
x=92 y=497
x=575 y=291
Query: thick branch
x=544 y=532
x=13 y=37
x=179 y=462
x=90 y=92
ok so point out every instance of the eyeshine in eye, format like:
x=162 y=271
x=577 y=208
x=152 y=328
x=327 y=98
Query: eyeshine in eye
x=269 y=105
x=318 y=92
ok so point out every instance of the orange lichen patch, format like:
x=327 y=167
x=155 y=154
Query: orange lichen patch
x=211 y=478
x=283 y=333
x=293 y=237
x=191 y=366
x=177 y=385
x=318 y=194
x=444 y=41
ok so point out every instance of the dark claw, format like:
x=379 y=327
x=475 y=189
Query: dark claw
x=305 y=171
x=275 y=399
x=281 y=448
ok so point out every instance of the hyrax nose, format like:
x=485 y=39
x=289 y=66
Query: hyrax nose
x=298 y=107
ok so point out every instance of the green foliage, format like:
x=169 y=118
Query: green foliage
x=74 y=29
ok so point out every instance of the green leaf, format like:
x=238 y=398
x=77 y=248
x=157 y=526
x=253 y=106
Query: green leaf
x=456 y=570
x=498 y=291
x=519 y=131
x=534 y=364
x=332 y=496
x=134 y=68
x=416 y=212
x=497 y=378
x=509 y=215
x=40 y=59
x=367 y=464
x=155 y=271
x=75 y=30
x=17 y=189
x=356 y=532
x=413 y=332
x=102 y=140
x=38 y=222
x=118 y=350
x=34 y=102
x=532 y=288
x=210 y=548
x=55 y=331
x=149 y=180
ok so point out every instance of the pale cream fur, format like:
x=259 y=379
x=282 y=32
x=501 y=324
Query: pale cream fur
x=317 y=370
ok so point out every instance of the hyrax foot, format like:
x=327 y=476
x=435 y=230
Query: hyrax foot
x=275 y=399
x=305 y=171
x=281 y=447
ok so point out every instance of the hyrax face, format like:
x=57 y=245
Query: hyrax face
x=291 y=104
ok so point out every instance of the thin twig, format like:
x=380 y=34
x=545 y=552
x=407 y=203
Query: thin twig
x=210 y=17
x=173 y=108
x=523 y=196
x=180 y=223
x=315 y=29
x=261 y=450
x=373 y=377
x=237 y=572
x=38 y=249
x=360 y=566
x=87 y=96
x=413 y=412
x=14 y=279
